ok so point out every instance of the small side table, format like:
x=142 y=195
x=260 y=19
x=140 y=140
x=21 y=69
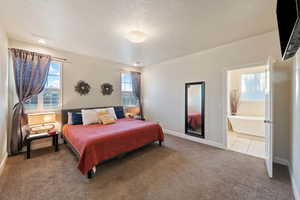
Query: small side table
x=33 y=137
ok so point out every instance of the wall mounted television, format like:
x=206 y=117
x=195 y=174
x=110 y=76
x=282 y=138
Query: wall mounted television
x=288 y=26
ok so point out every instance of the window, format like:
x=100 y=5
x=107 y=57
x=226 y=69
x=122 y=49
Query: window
x=128 y=98
x=253 y=86
x=50 y=97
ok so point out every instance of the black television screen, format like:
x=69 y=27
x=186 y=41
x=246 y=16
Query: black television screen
x=287 y=15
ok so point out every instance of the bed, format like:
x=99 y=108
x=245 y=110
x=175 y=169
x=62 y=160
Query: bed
x=194 y=120
x=95 y=143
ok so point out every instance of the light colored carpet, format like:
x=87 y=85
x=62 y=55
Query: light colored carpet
x=180 y=170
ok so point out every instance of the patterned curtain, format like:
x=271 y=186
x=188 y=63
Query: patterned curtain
x=136 y=89
x=30 y=75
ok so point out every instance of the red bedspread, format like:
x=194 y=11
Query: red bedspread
x=97 y=142
x=194 y=119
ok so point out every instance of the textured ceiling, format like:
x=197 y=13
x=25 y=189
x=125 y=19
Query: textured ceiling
x=174 y=27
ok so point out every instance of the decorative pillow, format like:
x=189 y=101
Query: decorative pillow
x=89 y=116
x=106 y=118
x=76 y=118
x=101 y=112
x=119 y=112
x=110 y=111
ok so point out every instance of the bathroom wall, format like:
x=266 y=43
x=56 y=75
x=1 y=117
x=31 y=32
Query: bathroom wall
x=246 y=108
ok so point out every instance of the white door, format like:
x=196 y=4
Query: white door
x=268 y=119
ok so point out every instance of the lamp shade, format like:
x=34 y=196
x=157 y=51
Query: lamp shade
x=50 y=118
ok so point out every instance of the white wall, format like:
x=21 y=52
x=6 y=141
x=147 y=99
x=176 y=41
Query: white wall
x=164 y=82
x=246 y=108
x=3 y=94
x=92 y=70
x=295 y=128
x=281 y=107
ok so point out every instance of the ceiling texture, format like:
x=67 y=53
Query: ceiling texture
x=174 y=28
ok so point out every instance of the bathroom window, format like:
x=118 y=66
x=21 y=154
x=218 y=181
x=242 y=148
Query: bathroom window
x=253 y=86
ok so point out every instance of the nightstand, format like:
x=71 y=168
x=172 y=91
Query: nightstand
x=38 y=136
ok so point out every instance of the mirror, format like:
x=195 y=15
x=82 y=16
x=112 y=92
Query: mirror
x=194 y=109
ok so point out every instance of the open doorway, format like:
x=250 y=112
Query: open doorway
x=246 y=110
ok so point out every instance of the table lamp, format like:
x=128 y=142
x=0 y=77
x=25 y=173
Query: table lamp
x=41 y=122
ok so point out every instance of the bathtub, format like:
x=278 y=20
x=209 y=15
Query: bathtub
x=249 y=125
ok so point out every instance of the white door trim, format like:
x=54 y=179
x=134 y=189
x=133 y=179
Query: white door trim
x=269 y=133
x=224 y=94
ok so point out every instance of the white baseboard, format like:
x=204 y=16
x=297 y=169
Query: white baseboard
x=195 y=139
x=2 y=163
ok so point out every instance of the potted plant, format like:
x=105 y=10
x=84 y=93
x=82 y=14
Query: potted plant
x=234 y=101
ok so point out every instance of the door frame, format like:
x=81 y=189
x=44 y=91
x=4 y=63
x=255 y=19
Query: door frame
x=225 y=95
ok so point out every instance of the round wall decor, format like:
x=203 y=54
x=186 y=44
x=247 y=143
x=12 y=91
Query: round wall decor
x=106 y=88
x=82 y=88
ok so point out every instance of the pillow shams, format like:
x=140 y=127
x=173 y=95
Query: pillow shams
x=119 y=112
x=89 y=116
x=70 y=118
x=111 y=111
x=76 y=118
x=101 y=112
x=106 y=118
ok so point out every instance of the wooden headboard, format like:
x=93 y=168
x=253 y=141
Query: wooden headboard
x=64 y=112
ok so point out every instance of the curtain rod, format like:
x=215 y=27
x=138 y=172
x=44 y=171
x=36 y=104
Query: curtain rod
x=60 y=59
x=55 y=58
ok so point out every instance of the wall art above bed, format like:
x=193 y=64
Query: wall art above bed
x=107 y=89
x=82 y=88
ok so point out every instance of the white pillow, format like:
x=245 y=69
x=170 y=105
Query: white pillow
x=111 y=111
x=70 y=118
x=89 y=116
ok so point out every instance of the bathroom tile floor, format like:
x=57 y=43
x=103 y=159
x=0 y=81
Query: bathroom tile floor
x=251 y=145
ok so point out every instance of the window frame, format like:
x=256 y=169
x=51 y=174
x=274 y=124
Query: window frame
x=126 y=83
x=125 y=92
x=40 y=96
x=247 y=100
